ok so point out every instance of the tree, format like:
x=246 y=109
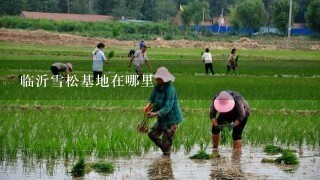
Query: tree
x=165 y=9
x=280 y=14
x=193 y=12
x=249 y=14
x=148 y=10
x=217 y=5
x=128 y=8
x=313 y=16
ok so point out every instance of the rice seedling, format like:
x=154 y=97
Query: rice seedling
x=271 y=149
x=111 y=54
x=143 y=127
x=102 y=167
x=225 y=136
x=288 y=157
x=202 y=154
x=79 y=169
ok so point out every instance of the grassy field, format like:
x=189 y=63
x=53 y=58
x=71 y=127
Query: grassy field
x=280 y=86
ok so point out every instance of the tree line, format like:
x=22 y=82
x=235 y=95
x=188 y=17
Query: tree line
x=242 y=13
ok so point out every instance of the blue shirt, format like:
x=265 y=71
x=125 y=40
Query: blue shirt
x=167 y=105
x=98 y=60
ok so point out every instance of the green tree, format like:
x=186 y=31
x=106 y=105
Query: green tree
x=217 y=5
x=148 y=10
x=249 y=14
x=313 y=16
x=280 y=14
x=165 y=9
x=128 y=8
x=193 y=12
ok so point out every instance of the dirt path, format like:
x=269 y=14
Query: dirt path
x=49 y=38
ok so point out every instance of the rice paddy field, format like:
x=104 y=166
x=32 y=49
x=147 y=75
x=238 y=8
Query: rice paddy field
x=44 y=130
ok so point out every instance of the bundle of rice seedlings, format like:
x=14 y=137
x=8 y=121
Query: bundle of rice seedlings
x=111 y=54
x=103 y=167
x=143 y=127
x=225 y=135
x=271 y=149
x=288 y=157
x=237 y=58
x=200 y=155
x=78 y=170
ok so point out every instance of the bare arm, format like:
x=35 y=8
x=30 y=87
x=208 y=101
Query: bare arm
x=148 y=63
x=131 y=61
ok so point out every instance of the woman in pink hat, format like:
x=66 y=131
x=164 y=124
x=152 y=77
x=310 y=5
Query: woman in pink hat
x=166 y=110
x=233 y=112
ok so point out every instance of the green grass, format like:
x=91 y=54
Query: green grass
x=280 y=86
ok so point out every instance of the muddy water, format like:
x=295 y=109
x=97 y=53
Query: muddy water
x=153 y=166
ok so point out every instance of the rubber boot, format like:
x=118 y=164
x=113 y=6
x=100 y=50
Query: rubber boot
x=215 y=141
x=237 y=145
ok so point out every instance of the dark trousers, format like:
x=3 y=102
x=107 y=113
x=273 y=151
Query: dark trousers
x=96 y=74
x=54 y=70
x=236 y=132
x=165 y=142
x=209 y=66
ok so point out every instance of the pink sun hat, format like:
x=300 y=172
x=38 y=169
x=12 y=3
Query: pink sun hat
x=164 y=74
x=224 y=102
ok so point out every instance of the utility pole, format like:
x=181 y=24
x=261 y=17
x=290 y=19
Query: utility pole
x=68 y=3
x=203 y=16
x=289 y=23
x=220 y=20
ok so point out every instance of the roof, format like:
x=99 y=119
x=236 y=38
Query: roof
x=64 y=16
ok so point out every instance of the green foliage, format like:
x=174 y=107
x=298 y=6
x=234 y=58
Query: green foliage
x=313 y=16
x=288 y=157
x=103 y=167
x=193 y=12
x=79 y=169
x=280 y=14
x=249 y=14
x=110 y=29
x=111 y=54
x=202 y=154
x=271 y=149
x=225 y=136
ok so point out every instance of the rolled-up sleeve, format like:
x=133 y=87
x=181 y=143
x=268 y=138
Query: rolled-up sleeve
x=168 y=103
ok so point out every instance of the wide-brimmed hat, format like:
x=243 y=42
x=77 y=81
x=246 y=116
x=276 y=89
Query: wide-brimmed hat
x=70 y=66
x=164 y=74
x=224 y=102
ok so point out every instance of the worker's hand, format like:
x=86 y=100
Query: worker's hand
x=231 y=126
x=147 y=108
x=153 y=114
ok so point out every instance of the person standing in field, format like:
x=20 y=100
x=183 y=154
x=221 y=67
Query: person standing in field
x=231 y=63
x=207 y=59
x=141 y=45
x=139 y=58
x=233 y=112
x=166 y=110
x=98 y=59
x=58 y=68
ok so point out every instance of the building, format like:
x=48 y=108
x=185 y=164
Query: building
x=63 y=16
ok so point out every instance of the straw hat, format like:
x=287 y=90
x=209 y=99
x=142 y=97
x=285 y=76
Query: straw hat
x=70 y=66
x=164 y=74
x=224 y=102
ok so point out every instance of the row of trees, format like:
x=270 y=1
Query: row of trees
x=242 y=13
x=252 y=14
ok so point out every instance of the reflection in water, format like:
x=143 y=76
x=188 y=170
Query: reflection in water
x=226 y=168
x=161 y=168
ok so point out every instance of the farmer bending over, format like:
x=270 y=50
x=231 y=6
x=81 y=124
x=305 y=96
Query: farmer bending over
x=57 y=68
x=139 y=58
x=167 y=111
x=233 y=112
